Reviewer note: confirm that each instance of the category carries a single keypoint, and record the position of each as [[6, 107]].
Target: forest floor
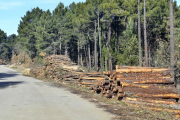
[[122, 110]]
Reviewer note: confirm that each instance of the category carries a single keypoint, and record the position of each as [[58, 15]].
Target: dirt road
[[25, 98]]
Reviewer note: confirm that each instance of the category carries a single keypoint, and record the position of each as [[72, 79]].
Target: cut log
[[150, 101], [107, 87], [163, 73], [109, 94], [93, 78], [86, 83], [96, 75], [149, 86], [140, 70], [155, 90], [165, 96], [137, 67], [120, 95], [160, 81], [91, 73], [120, 89], [90, 81], [109, 72], [142, 78]]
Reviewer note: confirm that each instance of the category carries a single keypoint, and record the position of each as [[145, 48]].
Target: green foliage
[[27, 29], [71, 30], [129, 46]]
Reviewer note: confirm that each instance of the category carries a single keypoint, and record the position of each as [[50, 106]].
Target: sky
[[11, 11]]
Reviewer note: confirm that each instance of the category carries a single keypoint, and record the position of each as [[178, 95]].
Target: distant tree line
[[99, 34]]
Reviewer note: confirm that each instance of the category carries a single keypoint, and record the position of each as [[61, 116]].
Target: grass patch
[[122, 103]]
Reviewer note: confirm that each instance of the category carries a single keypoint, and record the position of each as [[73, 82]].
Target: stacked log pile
[[58, 67], [143, 82], [146, 86], [91, 80]]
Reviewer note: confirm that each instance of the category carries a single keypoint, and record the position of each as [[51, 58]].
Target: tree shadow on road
[[7, 75], [7, 84]]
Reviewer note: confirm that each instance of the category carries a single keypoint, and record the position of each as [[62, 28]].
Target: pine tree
[[171, 37], [139, 34], [129, 46], [26, 31], [3, 45], [145, 36], [43, 35]]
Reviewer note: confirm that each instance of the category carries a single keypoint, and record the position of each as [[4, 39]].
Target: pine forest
[[100, 34]]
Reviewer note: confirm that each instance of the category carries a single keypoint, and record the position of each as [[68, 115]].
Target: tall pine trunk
[[108, 45], [89, 52], [81, 59], [171, 37], [105, 57], [13, 51], [60, 46], [54, 47], [117, 34], [149, 56], [100, 48], [106, 63], [95, 49], [78, 53], [139, 34], [66, 50], [145, 35], [86, 51]]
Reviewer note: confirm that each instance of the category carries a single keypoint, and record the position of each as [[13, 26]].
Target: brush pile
[[2, 62], [59, 68]]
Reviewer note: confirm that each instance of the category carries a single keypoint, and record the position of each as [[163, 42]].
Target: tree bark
[[139, 34], [117, 33], [145, 36], [95, 49], [81, 59], [85, 51], [149, 56], [106, 63], [66, 51], [171, 38], [60, 46], [13, 51], [89, 52], [78, 54], [54, 48], [108, 45], [100, 51]]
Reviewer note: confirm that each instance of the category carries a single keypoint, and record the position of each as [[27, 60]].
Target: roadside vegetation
[[99, 34]]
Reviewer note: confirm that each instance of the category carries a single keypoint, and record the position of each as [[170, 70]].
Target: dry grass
[[2, 62], [22, 59]]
